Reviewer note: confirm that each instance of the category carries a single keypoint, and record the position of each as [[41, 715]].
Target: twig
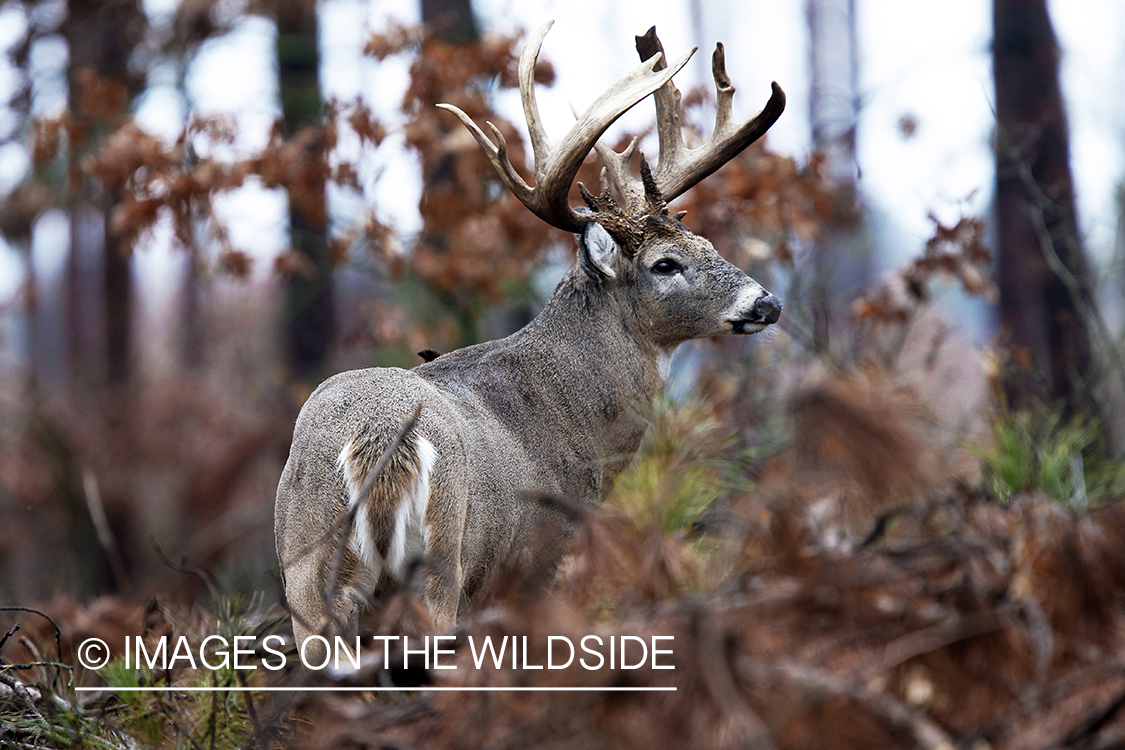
[[58, 635], [929, 639], [808, 340], [102, 529], [1078, 293], [34, 665], [1093, 722], [17, 745], [20, 691], [183, 567], [279, 710], [928, 733], [31, 649], [252, 711], [714, 668], [180, 730], [212, 720], [9, 634]]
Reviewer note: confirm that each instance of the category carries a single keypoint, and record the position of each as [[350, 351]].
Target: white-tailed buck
[[558, 407]]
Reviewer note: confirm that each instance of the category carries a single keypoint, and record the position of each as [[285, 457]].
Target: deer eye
[[666, 267]]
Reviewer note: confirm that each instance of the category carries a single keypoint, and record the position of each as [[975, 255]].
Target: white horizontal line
[[336, 689]]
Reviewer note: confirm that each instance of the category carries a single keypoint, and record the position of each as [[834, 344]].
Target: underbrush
[[47, 703], [848, 590]]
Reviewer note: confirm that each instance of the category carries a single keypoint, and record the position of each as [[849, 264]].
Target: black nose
[[768, 308]]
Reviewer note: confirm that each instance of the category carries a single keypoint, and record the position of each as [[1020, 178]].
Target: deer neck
[[603, 373]]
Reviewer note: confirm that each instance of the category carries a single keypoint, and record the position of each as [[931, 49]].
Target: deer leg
[[445, 520], [307, 590]]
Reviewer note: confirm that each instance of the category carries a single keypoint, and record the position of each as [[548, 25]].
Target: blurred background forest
[[209, 206]]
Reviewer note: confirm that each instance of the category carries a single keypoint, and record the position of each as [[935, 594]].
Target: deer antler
[[681, 167], [556, 166]]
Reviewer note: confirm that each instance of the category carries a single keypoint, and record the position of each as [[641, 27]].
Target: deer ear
[[597, 252]]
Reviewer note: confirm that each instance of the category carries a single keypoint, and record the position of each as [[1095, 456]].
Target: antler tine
[[615, 168], [556, 166], [497, 154], [669, 127], [680, 167], [728, 138], [629, 188], [540, 144], [616, 171]]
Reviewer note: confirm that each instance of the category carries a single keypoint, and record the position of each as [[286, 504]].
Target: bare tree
[[101, 37], [310, 324], [20, 207], [1046, 305], [839, 259], [834, 98]]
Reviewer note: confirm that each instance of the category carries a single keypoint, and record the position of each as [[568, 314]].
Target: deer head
[[678, 286]]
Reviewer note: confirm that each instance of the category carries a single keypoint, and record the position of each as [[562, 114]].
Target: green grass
[[1037, 450], [64, 718], [682, 468]]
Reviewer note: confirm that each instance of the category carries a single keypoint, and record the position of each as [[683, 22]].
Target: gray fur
[[558, 407]]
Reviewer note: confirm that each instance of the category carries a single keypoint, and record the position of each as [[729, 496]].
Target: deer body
[[558, 407]]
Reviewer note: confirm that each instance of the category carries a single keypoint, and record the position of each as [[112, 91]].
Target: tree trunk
[[840, 260], [834, 95], [1045, 294], [100, 37], [310, 325], [451, 20]]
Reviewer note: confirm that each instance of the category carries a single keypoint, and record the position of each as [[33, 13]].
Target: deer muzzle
[[753, 315], [767, 308]]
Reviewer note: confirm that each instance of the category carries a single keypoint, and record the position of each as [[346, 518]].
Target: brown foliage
[[954, 252], [832, 416], [475, 235], [939, 634], [946, 631], [20, 209], [174, 460], [862, 597], [151, 180]]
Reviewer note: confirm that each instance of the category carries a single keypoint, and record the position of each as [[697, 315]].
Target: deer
[[389, 466]]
